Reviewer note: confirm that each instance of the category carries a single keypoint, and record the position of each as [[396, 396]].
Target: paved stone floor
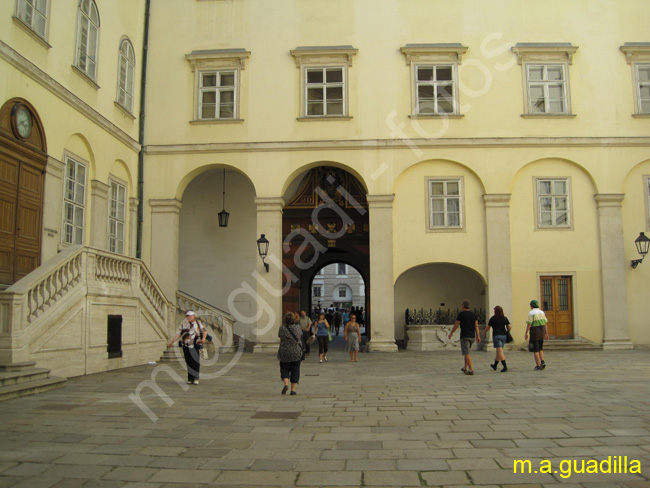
[[405, 419]]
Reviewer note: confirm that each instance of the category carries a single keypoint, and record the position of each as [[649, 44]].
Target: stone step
[[31, 387], [569, 345], [17, 377]]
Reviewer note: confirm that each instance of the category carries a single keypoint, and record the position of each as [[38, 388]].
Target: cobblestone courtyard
[[406, 419]]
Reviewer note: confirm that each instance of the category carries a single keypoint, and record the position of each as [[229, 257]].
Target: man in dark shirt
[[468, 323]]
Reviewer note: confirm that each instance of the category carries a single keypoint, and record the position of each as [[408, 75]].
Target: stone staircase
[[569, 345], [21, 379]]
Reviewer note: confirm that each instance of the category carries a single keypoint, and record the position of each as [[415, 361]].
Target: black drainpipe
[[143, 84]]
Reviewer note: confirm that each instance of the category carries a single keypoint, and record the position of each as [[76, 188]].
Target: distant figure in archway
[[322, 334]]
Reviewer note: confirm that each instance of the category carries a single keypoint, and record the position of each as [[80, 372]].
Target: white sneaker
[[189, 382], [196, 382]]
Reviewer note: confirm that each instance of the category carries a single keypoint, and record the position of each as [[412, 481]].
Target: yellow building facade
[[498, 152]]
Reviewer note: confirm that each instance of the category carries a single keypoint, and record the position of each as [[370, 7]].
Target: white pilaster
[[613, 266], [133, 227], [269, 284], [165, 231], [499, 258], [382, 289]]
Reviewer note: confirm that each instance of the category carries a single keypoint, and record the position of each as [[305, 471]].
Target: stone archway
[[23, 159], [326, 221]]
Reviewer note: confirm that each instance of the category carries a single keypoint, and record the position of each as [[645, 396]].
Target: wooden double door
[[557, 304], [21, 209]]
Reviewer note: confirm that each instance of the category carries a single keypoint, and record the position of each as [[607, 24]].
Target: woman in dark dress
[[500, 325]]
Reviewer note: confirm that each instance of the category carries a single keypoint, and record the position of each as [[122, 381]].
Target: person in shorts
[[468, 323], [500, 326], [536, 325]]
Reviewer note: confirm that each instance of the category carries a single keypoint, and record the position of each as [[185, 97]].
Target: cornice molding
[[544, 51], [496, 199], [609, 199], [270, 204], [28, 68], [433, 53], [636, 51], [165, 205], [318, 55], [218, 58], [386, 144]]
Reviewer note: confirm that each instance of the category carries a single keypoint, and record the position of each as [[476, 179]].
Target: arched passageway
[[324, 222]]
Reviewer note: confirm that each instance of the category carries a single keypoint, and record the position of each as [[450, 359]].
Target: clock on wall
[[21, 121]]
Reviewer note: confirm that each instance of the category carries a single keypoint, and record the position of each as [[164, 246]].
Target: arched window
[[126, 75], [87, 38]]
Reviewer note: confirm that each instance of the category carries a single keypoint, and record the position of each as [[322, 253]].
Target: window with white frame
[[343, 292], [434, 75], [87, 38], [545, 71], [317, 291], [324, 92], [116, 217], [547, 92], [218, 75], [342, 269], [435, 89], [553, 202], [126, 75], [217, 95], [324, 72], [637, 55], [643, 88], [445, 209], [74, 201], [33, 13]]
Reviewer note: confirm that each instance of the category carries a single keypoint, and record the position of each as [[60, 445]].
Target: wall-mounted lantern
[[263, 249], [642, 243]]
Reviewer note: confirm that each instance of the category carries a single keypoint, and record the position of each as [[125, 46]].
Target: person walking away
[[322, 326], [338, 318], [191, 332], [352, 336], [468, 323], [500, 327], [305, 325], [290, 352], [536, 325]]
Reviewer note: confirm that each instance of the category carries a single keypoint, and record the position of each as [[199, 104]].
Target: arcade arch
[[213, 261], [433, 286]]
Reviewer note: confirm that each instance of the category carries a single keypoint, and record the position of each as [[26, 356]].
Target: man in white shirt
[[191, 332]]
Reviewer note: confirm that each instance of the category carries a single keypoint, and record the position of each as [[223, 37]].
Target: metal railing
[[437, 317]]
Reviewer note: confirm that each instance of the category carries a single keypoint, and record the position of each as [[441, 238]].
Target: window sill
[[125, 111], [85, 77], [556, 227], [436, 116], [641, 116], [216, 121], [445, 229], [323, 118], [548, 116], [37, 37]]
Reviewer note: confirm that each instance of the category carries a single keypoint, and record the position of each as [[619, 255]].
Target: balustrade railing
[[75, 266]]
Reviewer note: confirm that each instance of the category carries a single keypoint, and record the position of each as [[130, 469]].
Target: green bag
[[329, 335]]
